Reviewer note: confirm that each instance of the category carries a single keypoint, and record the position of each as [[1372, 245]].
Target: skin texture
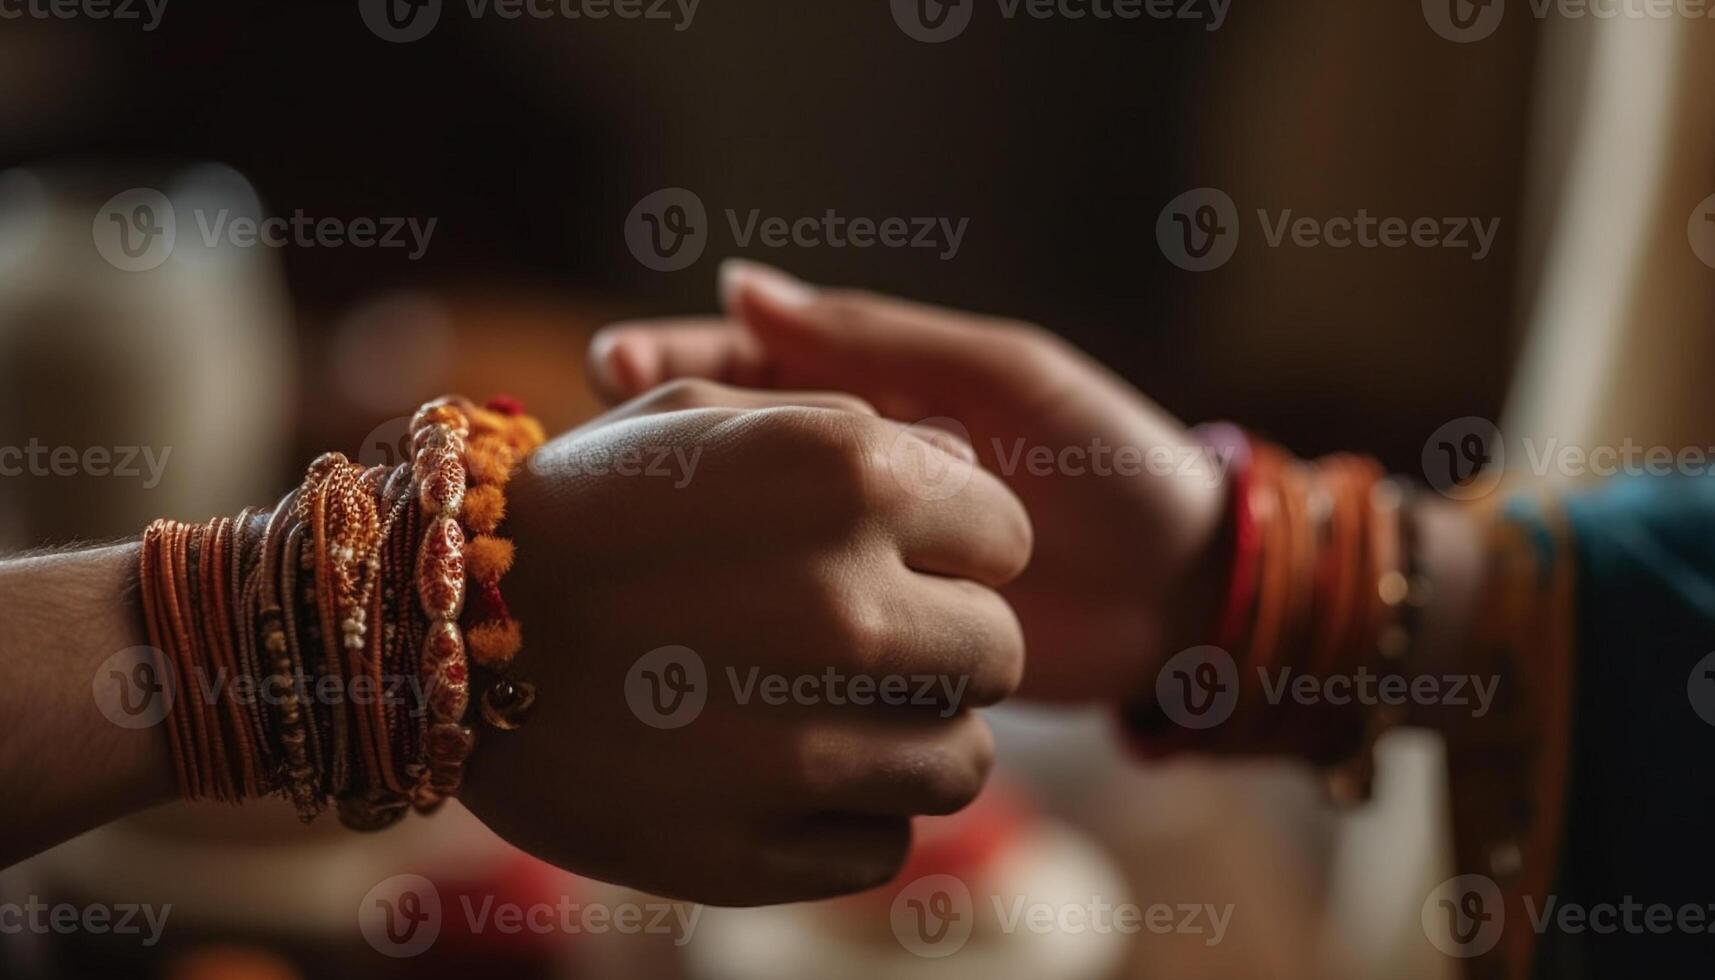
[[801, 541], [64, 768], [1125, 571], [792, 550]]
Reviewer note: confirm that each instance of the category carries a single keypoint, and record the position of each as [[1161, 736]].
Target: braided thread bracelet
[[1324, 583], [290, 634]]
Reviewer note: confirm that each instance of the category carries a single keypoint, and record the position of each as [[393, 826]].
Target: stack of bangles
[[329, 648], [1325, 583]]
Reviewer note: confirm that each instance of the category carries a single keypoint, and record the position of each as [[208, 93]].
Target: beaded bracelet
[[289, 631]]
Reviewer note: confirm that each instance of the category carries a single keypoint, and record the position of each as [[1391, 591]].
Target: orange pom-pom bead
[[484, 508], [490, 460], [494, 644], [487, 558]]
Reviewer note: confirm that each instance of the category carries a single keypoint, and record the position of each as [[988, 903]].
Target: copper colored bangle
[[178, 585], [158, 624]]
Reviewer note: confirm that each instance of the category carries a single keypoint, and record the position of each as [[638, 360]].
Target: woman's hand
[[1127, 507], [756, 650]]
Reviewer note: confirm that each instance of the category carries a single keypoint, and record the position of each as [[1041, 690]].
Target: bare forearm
[[65, 767]]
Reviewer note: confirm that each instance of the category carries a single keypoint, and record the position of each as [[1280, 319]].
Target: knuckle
[[850, 403], [996, 678], [946, 781], [863, 634], [686, 393], [851, 308], [841, 451]]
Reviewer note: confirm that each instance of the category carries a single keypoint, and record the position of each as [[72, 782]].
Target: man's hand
[[756, 648], [1127, 508]]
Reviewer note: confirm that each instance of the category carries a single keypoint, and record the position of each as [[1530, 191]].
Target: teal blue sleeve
[[1641, 804]]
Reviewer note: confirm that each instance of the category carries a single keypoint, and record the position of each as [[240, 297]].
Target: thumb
[[909, 358]]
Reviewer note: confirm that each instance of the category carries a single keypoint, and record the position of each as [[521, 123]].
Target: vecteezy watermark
[[1465, 21], [1200, 688], [1466, 458], [934, 21], [933, 459], [1700, 231], [1700, 688], [138, 687], [404, 21], [135, 688], [1466, 916], [138, 229], [34, 458], [669, 229], [1200, 229], [935, 915], [146, 12], [404, 915], [37, 917], [669, 686], [676, 464]]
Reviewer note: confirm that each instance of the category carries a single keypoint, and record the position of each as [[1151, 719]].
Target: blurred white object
[[188, 361]]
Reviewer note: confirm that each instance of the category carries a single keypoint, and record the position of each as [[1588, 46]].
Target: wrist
[[1451, 549]]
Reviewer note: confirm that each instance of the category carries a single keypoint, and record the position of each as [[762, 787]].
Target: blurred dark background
[[1060, 140]]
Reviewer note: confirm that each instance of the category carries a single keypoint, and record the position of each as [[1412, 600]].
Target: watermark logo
[[403, 21], [1700, 231], [37, 459], [1198, 688], [400, 21], [933, 916], [1464, 21], [667, 687], [136, 229], [668, 230], [148, 12], [388, 444], [933, 21], [1700, 688], [1199, 230], [1464, 916], [135, 687], [676, 464], [1464, 459], [36, 917], [931, 459], [401, 916]]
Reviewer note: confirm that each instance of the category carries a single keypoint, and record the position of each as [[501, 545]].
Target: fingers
[[912, 359], [627, 359], [833, 854], [960, 520], [967, 644], [896, 766], [692, 393], [877, 345]]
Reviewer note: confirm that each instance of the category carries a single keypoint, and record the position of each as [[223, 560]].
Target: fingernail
[[614, 362], [772, 286]]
